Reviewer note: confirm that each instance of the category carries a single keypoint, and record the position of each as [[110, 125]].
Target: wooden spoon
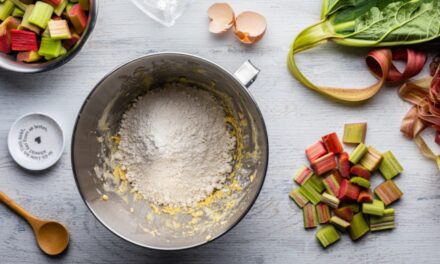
[[52, 237]]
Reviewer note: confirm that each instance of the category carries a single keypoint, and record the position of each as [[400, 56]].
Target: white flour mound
[[175, 145]]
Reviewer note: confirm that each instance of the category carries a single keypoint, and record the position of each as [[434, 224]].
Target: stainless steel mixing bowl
[[101, 114], [8, 62]]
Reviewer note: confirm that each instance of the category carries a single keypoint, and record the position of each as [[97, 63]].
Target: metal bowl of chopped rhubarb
[[170, 150], [38, 36]]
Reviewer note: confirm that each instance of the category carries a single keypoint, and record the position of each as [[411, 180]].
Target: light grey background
[[272, 232]]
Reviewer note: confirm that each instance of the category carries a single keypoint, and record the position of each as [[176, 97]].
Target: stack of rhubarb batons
[[336, 191]]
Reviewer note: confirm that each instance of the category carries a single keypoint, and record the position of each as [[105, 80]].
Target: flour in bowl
[[175, 145]]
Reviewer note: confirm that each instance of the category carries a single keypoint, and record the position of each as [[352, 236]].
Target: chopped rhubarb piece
[[323, 212], [365, 197], [50, 48], [354, 133], [390, 166], [360, 182], [54, 3], [309, 192], [378, 223], [339, 223], [28, 56], [345, 213], [437, 137], [375, 208], [360, 171], [11, 23], [21, 3], [348, 191], [61, 7], [310, 216], [6, 9], [324, 164], [316, 182], [25, 24], [5, 40], [344, 165], [59, 29], [315, 151], [388, 192], [298, 198], [302, 174], [332, 143], [41, 14], [358, 226], [330, 200], [23, 40], [331, 185], [358, 153], [327, 236], [69, 43], [5, 34], [78, 18], [372, 159], [337, 175]]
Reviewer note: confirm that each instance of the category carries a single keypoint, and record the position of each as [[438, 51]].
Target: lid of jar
[[36, 141]]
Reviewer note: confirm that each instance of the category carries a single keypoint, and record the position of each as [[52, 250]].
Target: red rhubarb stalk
[[302, 175], [54, 3], [315, 151], [344, 165], [78, 18], [324, 164], [365, 197], [337, 176], [345, 213], [332, 143], [5, 40], [360, 171], [5, 35], [348, 191], [23, 40]]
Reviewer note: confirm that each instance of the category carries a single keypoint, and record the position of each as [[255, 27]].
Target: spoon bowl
[[52, 238]]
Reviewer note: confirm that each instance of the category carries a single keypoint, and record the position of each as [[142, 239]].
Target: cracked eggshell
[[250, 27], [221, 17]]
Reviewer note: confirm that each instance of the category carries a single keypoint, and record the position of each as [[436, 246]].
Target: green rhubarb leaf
[[366, 23], [399, 21]]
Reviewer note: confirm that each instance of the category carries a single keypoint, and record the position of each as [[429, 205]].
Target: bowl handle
[[247, 73]]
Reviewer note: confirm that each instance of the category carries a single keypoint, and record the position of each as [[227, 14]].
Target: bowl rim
[[51, 65], [265, 158]]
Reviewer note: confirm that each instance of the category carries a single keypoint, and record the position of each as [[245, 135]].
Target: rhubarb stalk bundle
[[370, 23], [424, 95]]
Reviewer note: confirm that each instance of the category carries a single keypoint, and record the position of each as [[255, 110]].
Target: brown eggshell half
[[250, 27], [222, 18]]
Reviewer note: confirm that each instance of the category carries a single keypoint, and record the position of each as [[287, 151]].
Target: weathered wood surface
[[272, 232]]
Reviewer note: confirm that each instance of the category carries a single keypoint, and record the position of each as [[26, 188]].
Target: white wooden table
[[272, 232]]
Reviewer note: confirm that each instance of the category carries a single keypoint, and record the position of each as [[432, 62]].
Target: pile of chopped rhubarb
[[335, 190], [34, 31]]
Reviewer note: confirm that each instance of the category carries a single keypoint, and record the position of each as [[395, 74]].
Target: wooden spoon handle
[[18, 209]]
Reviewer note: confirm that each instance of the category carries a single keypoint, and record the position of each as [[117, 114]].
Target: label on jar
[[32, 142]]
